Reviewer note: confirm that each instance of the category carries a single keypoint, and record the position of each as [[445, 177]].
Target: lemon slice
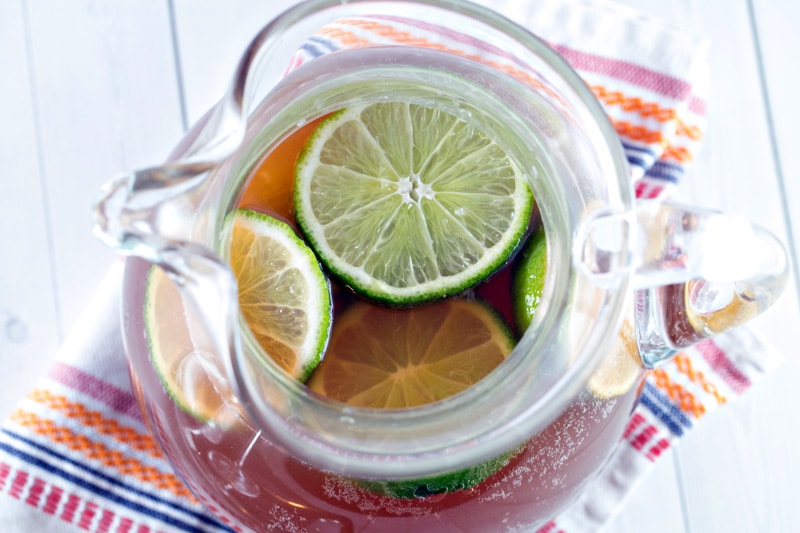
[[283, 294], [620, 369], [185, 361], [408, 203]]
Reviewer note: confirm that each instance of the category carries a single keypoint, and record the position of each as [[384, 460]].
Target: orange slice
[[392, 358]]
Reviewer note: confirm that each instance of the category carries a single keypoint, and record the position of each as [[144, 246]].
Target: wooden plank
[[751, 445], [113, 105], [775, 24], [778, 44], [736, 464], [29, 329], [208, 65]]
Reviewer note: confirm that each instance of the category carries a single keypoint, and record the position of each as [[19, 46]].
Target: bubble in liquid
[[283, 519]]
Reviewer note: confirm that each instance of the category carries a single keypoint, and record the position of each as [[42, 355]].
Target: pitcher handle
[[695, 272]]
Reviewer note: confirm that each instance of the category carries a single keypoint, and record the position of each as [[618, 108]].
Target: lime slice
[[408, 203], [528, 279], [397, 358], [183, 358], [283, 294], [620, 369], [441, 484]]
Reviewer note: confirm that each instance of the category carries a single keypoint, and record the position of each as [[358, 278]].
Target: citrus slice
[[528, 280], [391, 358], [184, 359], [620, 369], [283, 294], [408, 203], [441, 484]]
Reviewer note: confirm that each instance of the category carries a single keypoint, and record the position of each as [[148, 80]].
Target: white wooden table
[[89, 88]]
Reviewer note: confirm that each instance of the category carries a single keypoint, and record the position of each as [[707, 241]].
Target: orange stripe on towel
[[633, 132], [678, 394], [345, 38], [633, 104], [648, 136], [349, 39], [95, 420], [100, 453], [390, 32], [677, 153], [684, 365], [693, 132], [638, 133]]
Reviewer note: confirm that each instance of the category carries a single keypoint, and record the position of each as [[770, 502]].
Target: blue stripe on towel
[[665, 171], [666, 411], [645, 158], [317, 46], [100, 491]]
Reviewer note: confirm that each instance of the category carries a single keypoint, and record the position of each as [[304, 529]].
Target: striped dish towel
[[76, 455]]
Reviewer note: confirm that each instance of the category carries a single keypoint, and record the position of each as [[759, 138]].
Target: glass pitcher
[[628, 284]]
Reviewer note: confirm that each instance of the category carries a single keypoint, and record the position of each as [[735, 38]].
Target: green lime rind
[[528, 277], [407, 203], [303, 259], [500, 322], [450, 482], [153, 350], [216, 407]]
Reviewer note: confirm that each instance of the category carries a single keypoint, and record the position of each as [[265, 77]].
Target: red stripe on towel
[[35, 492], [628, 72], [5, 468], [18, 484], [119, 400], [723, 366], [53, 500]]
